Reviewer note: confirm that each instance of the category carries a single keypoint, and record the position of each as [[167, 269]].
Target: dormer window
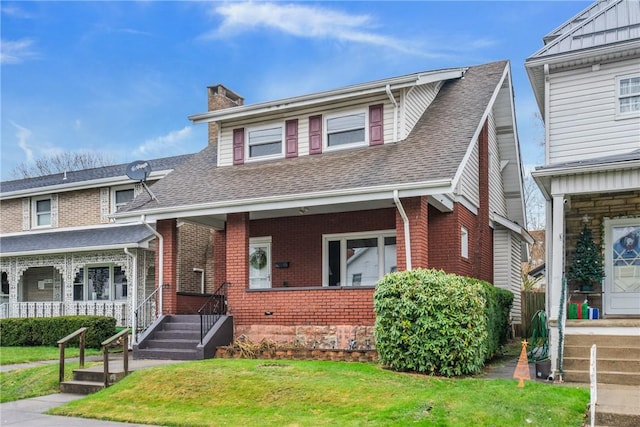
[[265, 142], [628, 95], [42, 211], [346, 130]]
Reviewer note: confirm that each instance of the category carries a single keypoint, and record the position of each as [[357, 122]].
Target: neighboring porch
[[106, 283]]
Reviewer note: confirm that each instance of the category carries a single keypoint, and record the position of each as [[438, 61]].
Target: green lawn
[[222, 392], [12, 355]]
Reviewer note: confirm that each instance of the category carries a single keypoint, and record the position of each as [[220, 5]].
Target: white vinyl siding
[[497, 202], [413, 103], [469, 184], [416, 102], [582, 114], [507, 266]]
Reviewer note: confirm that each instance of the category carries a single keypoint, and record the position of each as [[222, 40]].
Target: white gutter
[[134, 296], [160, 267], [407, 234], [395, 113], [424, 188]]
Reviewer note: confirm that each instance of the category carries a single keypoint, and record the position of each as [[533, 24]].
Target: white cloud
[[302, 21], [14, 11], [23, 135], [16, 51], [164, 143]]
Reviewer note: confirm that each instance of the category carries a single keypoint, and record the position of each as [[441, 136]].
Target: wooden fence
[[531, 303]]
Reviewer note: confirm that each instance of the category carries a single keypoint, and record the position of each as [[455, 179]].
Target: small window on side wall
[[120, 196], [464, 242], [628, 101]]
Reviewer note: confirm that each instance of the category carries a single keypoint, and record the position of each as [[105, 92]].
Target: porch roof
[[76, 240], [426, 163]]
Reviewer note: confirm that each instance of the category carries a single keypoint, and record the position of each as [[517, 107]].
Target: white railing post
[[594, 385]]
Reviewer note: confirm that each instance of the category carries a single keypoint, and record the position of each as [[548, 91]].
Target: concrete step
[[612, 377], [587, 340], [603, 352], [94, 375], [605, 365], [165, 354], [618, 406], [81, 387], [175, 343], [177, 335], [181, 326]]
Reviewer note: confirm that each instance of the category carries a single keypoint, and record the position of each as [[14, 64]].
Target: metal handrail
[[213, 309], [122, 338], [62, 343], [145, 314]]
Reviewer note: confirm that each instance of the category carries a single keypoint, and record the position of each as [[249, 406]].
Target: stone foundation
[[321, 337], [298, 354]]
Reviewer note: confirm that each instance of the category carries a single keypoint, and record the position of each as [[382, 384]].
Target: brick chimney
[[220, 97]]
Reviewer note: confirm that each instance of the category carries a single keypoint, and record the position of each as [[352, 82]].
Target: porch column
[[169, 231], [237, 253], [417, 210], [555, 273], [219, 257]]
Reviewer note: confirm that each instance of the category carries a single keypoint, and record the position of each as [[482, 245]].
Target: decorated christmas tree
[[586, 267]]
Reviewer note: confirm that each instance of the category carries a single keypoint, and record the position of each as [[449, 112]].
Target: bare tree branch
[[58, 163]]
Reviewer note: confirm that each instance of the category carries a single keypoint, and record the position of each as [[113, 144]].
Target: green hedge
[[437, 323], [48, 331]]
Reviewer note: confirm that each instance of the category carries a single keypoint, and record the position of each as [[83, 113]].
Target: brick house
[[62, 254], [314, 198]]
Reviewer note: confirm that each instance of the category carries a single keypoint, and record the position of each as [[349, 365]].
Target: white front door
[[260, 263], [622, 264]]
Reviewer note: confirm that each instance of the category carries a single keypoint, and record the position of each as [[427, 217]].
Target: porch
[[120, 310]]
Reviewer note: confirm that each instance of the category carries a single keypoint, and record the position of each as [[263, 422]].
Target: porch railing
[[116, 309], [119, 339], [213, 309], [145, 314]]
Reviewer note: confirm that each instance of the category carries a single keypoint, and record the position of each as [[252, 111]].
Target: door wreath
[[258, 259]]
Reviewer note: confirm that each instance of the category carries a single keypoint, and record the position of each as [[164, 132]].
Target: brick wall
[[195, 250], [167, 228], [79, 208], [11, 216], [417, 211], [30, 279], [298, 240]]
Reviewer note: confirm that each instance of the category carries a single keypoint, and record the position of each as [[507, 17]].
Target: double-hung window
[[265, 142], [120, 196], [628, 88], [358, 259], [42, 211], [346, 129]]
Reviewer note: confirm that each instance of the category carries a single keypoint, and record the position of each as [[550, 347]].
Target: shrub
[[497, 309], [48, 331], [431, 322]]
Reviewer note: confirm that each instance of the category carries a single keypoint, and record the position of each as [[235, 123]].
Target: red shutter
[[315, 134], [291, 138], [376, 134], [238, 146]]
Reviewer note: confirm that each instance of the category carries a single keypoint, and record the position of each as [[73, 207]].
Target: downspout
[[160, 261], [395, 113], [134, 297], [407, 234]]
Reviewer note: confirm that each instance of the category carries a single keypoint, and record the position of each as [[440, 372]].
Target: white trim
[[264, 241], [330, 197], [608, 297], [35, 214], [343, 113], [112, 195], [632, 114], [380, 235], [464, 242], [247, 142]]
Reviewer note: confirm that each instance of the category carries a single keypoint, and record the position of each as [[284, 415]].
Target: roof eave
[[327, 96]]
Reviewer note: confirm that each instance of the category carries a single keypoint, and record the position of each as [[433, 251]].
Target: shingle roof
[[615, 158], [75, 240], [433, 151], [84, 175]]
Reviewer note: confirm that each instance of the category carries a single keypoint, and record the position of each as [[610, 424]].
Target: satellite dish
[[139, 170]]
